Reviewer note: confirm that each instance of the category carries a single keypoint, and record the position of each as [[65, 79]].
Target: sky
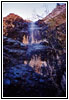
[[30, 11]]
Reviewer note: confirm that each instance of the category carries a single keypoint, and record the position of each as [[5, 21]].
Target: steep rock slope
[[53, 26], [15, 27], [57, 16]]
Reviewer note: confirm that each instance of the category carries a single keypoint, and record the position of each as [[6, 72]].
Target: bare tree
[[37, 16], [46, 11]]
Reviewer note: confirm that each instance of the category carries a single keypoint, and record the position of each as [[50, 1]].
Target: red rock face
[[8, 22], [15, 27], [13, 17], [56, 22], [56, 17]]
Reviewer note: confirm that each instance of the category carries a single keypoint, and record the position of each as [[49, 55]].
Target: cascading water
[[34, 39], [34, 30], [34, 34]]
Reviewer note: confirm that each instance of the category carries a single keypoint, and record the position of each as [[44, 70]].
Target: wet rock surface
[[21, 80], [14, 52]]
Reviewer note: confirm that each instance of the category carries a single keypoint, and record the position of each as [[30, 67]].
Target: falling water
[[34, 34], [33, 28], [35, 62]]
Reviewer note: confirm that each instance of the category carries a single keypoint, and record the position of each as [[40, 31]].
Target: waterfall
[[34, 34], [34, 29]]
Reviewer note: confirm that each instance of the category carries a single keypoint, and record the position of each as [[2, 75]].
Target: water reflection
[[25, 39], [36, 63]]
